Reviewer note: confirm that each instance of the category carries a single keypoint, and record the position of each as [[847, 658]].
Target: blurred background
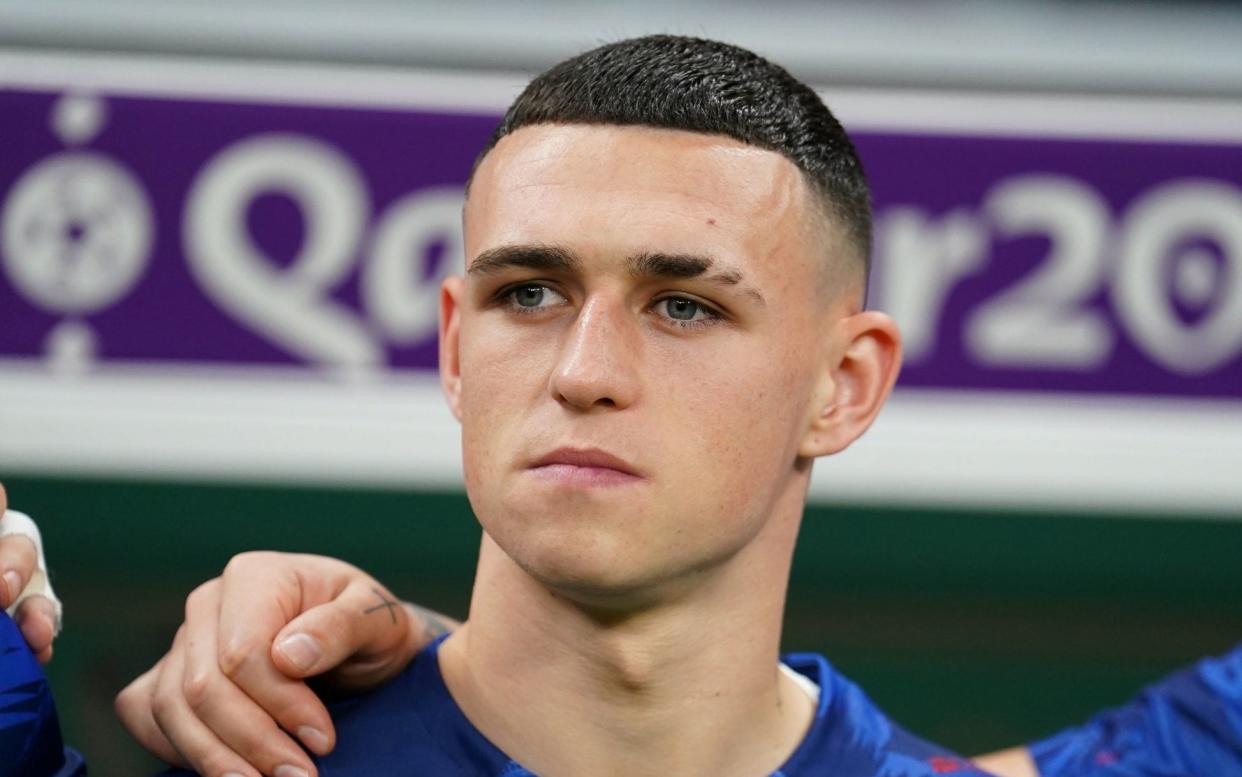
[[222, 225]]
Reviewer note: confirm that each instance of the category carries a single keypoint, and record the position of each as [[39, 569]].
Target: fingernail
[[13, 582], [289, 770], [314, 738], [301, 650], [234, 774]]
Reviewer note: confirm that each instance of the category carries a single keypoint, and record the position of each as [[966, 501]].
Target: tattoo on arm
[[385, 604], [433, 623]]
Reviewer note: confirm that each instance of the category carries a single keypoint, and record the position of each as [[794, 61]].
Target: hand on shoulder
[[230, 695]]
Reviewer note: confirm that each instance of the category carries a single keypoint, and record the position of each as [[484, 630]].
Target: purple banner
[[1068, 265], [192, 230], [196, 231]]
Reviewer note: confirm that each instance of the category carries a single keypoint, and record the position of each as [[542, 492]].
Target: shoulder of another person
[[1189, 722]]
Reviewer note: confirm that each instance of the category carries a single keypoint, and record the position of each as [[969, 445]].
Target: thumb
[[362, 637]]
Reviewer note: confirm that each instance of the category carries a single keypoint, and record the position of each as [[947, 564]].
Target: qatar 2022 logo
[[77, 230]]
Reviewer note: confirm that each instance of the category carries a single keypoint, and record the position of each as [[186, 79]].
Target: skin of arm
[[1014, 762]]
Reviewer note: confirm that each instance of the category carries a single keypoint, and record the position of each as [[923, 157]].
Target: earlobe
[[451, 294], [857, 381]]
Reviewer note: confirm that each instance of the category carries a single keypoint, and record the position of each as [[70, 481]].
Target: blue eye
[[686, 312], [681, 309], [528, 296], [531, 297]]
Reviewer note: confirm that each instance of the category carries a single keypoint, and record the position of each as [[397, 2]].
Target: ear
[[452, 293], [858, 377]]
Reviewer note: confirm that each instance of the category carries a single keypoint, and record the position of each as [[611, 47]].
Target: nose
[[598, 360]]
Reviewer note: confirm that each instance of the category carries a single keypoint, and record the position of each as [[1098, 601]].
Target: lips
[[585, 467]]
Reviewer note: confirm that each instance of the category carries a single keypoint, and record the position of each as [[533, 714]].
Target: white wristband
[[13, 522]]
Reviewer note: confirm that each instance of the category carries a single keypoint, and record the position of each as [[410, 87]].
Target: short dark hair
[[683, 83]]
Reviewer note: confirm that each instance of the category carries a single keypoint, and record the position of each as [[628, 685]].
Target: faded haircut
[[697, 85]]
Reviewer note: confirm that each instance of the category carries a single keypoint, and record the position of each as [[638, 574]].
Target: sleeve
[[30, 742], [1189, 723]]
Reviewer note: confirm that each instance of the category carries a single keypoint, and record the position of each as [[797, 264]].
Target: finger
[[36, 617], [4, 499], [133, 707], [260, 593], [18, 558], [364, 630], [240, 724], [193, 741]]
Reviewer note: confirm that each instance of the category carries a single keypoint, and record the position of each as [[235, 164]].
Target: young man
[[661, 326]]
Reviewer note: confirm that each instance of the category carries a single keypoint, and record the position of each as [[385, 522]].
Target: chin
[[601, 553], [608, 598], [592, 567]]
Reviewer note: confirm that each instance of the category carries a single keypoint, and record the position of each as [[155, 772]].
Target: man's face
[[635, 350]]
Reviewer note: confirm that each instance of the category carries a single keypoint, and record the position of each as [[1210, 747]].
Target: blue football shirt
[[30, 743], [411, 726], [1189, 723]]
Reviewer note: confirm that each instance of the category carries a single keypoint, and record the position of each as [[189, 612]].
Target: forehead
[[610, 190]]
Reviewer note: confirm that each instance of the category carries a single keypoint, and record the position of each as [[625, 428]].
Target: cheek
[[738, 418], [499, 380], [507, 410]]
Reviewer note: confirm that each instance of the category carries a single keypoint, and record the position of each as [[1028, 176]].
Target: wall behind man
[[1045, 517]]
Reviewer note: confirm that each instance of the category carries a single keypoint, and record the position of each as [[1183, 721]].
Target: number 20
[[1044, 321]]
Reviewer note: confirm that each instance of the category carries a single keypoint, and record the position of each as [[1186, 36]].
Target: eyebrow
[[658, 265], [534, 257], [550, 258], [679, 266]]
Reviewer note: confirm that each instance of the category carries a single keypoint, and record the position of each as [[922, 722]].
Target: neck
[[688, 685]]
